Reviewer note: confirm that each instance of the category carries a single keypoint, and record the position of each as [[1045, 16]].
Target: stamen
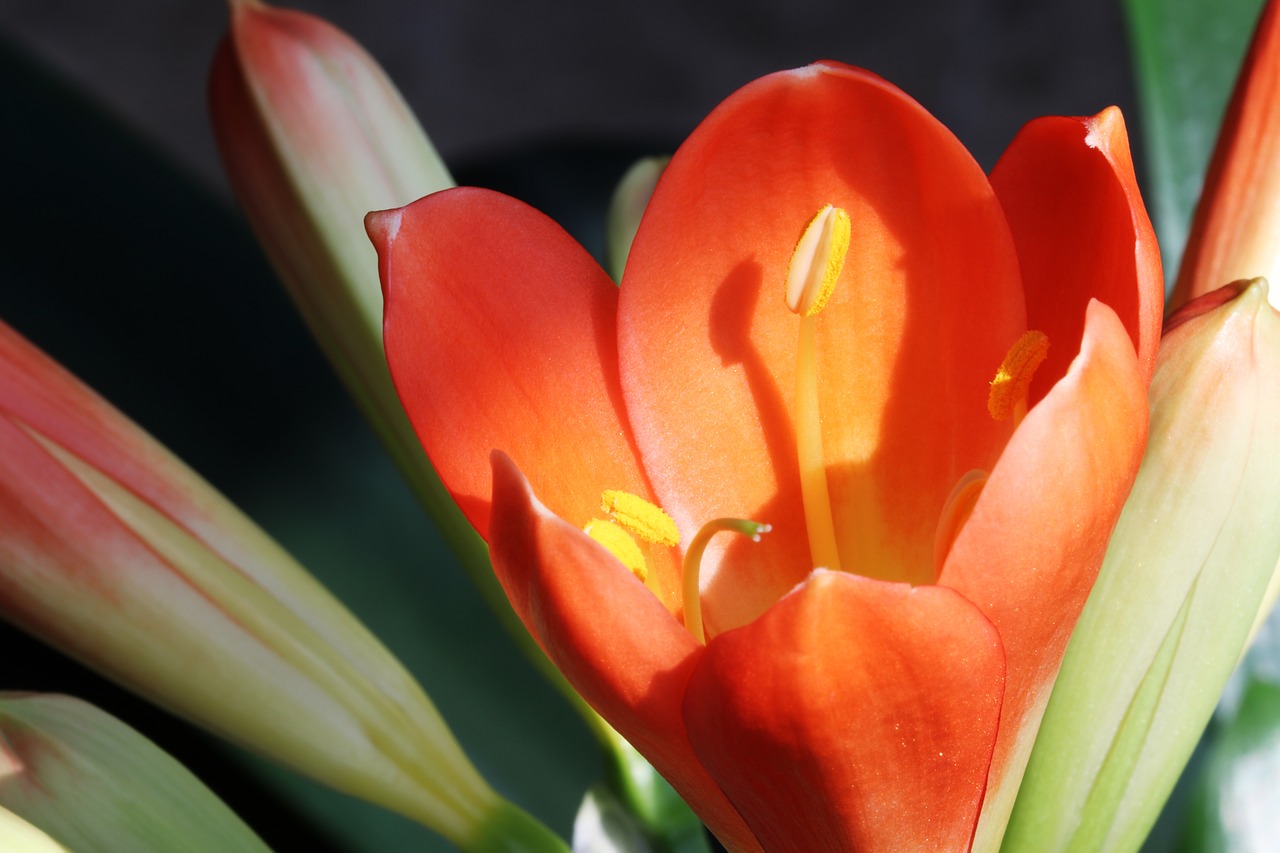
[[620, 544], [955, 512], [693, 565], [642, 518], [1008, 396], [817, 261], [811, 278], [809, 453]]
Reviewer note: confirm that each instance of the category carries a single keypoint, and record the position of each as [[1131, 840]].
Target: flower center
[[631, 517], [815, 267]]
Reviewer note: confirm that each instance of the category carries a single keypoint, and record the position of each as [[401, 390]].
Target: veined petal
[[610, 637], [1030, 551], [500, 333], [854, 715], [1068, 189], [905, 350]]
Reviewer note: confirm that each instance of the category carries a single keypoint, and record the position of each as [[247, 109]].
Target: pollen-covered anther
[[620, 544], [817, 261], [1009, 388], [642, 518]]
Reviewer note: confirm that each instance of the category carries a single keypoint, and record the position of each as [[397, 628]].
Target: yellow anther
[[620, 544], [639, 516], [817, 261], [1009, 388]]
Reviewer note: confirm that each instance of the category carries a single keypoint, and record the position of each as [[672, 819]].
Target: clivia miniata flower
[[930, 385]]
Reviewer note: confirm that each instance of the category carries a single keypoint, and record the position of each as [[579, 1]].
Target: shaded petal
[[500, 333], [927, 306], [614, 642], [1031, 550], [1068, 189], [854, 715]]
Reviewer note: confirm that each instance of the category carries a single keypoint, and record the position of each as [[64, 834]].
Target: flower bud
[[114, 551], [1185, 573]]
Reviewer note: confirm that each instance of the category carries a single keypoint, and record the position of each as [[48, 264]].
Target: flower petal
[[1030, 551], [1068, 189], [614, 642], [854, 715], [500, 333], [905, 350]]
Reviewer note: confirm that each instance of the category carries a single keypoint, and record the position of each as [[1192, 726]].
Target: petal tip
[[382, 226]]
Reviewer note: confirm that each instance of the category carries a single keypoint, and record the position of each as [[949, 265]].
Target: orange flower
[[875, 667]]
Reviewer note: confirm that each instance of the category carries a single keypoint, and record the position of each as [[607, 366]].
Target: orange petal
[[500, 333], [1234, 233], [925, 309], [614, 642], [1068, 188], [854, 715], [1030, 551]]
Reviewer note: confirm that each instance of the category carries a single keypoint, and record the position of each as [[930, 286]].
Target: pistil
[[811, 278]]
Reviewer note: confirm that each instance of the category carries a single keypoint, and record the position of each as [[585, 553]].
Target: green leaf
[[1186, 54], [94, 784]]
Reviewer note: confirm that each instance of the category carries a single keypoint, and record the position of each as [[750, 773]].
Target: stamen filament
[[690, 588], [955, 512], [813, 470]]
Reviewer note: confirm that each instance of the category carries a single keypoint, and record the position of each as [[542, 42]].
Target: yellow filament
[[955, 512], [642, 518], [817, 260], [693, 565], [1008, 396], [620, 544], [813, 469], [815, 266]]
